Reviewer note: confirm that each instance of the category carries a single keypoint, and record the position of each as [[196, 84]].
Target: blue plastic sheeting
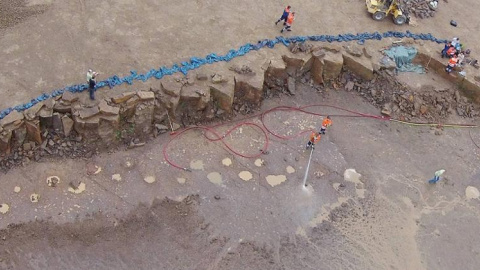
[[403, 57], [196, 62]]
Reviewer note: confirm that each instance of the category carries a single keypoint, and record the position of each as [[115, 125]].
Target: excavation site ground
[[187, 182]]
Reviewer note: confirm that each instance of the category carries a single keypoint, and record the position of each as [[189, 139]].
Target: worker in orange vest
[[314, 138], [451, 51], [285, 14], [290, 20], [326, 123], [451, 63]]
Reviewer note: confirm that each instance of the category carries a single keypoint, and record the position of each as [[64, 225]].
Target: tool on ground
[[170, 121], [308, 168], [381, 8]]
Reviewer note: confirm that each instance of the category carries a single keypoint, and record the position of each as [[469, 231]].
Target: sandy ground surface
[[48, 44], [387, 217]]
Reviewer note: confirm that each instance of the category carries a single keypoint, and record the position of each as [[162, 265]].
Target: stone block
[[70, 97], [106, 109], [143, 118], [249, 89], [353, 50], [223, 95], [291, 85], [62, 107], [334, 48], [12, 118], [49, 103], [146, 95], [218, 78], [86, 113], [298, 64], [333, 63], [92, 124], [33, 131], [20, 134], [317, 69], [275, 73], [360, 66], [194, 97], [57, 123], [107, 129], [124, 97], [67, 124], [171, 87], [128, 110], [5, 142], [31, 113]]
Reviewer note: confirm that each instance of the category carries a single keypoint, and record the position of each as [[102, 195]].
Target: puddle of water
[[290, 169], [259, 162], [325, 213], [196, 165], [52, 181], [227, 162], [274, 180], [149, 179], [215, 178], [17, 189], [351, 175], [81, 188], [181, 180], [360, 193], [245, 175], [4, 208], [34, 197], [472, 193], [117, 177]]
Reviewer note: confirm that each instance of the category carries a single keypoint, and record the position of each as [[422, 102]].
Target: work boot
[[277, 22], [289, 29], [281, 31]]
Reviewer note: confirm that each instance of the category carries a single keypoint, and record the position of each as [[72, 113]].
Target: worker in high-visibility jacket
[[451, 64], [285, 14], [326, 123], [289, 23], [314, 138]]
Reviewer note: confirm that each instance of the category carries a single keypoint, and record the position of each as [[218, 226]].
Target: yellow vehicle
[[381, 8]]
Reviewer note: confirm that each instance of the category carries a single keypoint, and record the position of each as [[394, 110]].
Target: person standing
[[326, 123], [285, 14], [461, 57], [92, 82], [314, 138], [289, 23], [436, 178]]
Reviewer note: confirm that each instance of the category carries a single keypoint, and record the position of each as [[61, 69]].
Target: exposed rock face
[[360, 66], [333, 63], [195, 98]]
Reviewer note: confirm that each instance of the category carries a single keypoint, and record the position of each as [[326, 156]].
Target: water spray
[[308, 168]]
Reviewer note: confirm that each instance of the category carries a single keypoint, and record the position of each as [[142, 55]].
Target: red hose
[[264, 129]]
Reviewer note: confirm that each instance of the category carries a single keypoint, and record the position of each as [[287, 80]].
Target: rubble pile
[[399, 101], [420, 8]]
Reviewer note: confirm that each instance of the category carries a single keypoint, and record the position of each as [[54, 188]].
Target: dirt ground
[[218, 216], [388, 218], [52, 43]]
